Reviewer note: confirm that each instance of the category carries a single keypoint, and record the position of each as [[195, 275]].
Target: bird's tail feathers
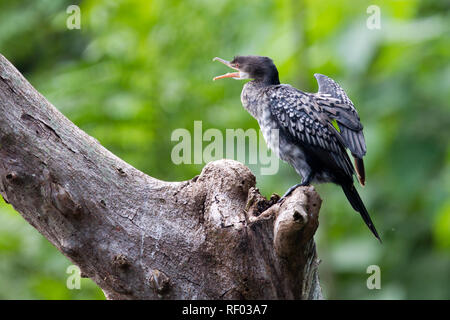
[[360, 172], [355, 200]]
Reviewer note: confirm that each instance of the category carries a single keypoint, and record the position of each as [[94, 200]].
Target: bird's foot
[[291, 189]]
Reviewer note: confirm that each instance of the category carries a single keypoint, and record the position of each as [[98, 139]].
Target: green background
[[137, 70]]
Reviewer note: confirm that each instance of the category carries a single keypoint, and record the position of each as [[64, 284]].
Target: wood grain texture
[[141, 238]]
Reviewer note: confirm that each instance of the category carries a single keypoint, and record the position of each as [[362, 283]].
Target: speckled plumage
[[304, 127], [306, 138]]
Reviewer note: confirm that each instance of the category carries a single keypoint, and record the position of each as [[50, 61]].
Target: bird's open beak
[[235, 75]]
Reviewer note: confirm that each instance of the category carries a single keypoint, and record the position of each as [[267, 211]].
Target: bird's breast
[[270, 131]]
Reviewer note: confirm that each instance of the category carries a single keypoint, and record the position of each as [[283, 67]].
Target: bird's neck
[[252, 96], [270, 78]]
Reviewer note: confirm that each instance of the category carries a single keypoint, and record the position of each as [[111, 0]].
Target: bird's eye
[[237, 65]]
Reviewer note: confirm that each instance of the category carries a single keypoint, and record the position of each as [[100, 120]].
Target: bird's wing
[[299, 114], [335, 102]]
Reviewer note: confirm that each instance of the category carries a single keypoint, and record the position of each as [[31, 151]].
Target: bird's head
[[251, 67]]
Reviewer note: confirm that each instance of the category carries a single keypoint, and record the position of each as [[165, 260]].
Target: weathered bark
[[141, 238]]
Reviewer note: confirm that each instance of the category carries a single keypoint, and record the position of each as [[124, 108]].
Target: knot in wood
[[160, 282], [121, 261], [63, 201], [121, 172], [12, 176]]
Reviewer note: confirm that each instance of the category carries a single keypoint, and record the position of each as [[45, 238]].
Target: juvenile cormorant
[[305, 137]]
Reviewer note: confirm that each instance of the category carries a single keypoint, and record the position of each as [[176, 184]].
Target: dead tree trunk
[[141, 238]]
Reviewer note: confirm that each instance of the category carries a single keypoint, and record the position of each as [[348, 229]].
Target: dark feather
[[359, 167], [357, 204], [335, 102], [314, 131]]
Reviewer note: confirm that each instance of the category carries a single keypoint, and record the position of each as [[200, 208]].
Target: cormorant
[[306, 137]]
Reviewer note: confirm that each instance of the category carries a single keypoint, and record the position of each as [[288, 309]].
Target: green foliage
[[137, 70]]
